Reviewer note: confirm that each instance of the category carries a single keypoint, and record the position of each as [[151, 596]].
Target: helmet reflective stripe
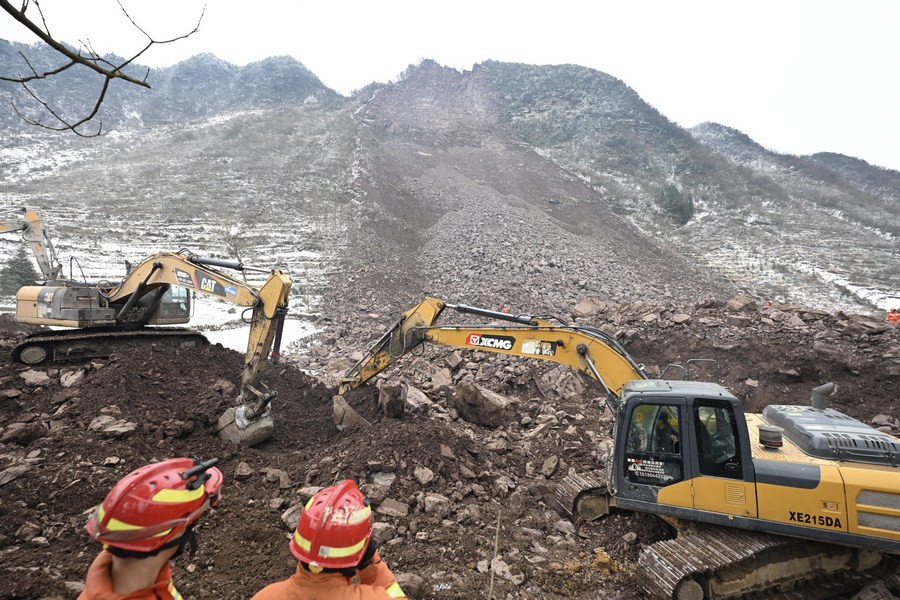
[[302, 541], [342, 552], [117, 525], [169, 495], [327, 551], [359, 516], [394, 591]]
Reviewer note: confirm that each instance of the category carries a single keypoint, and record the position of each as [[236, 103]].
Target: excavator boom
[[585, 349], [29, 224]]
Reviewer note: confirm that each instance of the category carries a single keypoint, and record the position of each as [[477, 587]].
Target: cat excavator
[[99, 318], [799, 500]]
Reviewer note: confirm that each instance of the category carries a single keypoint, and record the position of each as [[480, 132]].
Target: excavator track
[[717, 562], [72, 346]]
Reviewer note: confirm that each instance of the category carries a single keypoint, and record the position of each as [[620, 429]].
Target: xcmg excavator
[[102, 317], [760, 502]]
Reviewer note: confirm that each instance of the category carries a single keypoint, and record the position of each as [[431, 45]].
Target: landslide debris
[[441, 484]]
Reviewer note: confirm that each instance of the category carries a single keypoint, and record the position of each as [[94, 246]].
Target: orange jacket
[[893, 317], [98, 585], [376, 582]]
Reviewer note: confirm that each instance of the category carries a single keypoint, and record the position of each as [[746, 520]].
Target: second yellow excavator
[[95, 319], [760, 501]]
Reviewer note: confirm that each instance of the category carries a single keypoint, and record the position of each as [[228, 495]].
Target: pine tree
[[679, 206], [18, 271]]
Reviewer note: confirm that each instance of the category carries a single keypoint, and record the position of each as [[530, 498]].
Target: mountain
[[579, 170], [199, 87]]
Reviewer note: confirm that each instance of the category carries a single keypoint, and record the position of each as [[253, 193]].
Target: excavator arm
[[250, 422], [585, 349], [32, 230]]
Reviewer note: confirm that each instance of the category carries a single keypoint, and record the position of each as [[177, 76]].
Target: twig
[[53, 495], [496, 550]]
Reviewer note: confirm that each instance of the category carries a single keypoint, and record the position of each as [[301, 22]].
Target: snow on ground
[[221, 323]]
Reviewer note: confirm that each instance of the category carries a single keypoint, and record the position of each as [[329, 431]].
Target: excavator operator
[[146, 520], [337, 556], [666, 436]]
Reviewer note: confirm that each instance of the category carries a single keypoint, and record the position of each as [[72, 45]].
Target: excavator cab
[[175, 307], [679, 437]]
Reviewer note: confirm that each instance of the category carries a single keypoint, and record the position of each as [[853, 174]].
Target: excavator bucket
[[236, 429]]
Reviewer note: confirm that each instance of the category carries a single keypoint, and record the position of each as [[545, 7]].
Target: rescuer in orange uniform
[[893, 317], [338, 560], [145, 520]]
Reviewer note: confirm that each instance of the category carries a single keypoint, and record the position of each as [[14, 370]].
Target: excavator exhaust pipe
[[820, 395]]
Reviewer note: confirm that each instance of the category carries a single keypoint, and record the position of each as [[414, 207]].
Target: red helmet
[[153, 505], [334, 528]]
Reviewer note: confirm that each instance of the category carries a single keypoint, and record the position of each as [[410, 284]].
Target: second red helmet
[[334, 528]]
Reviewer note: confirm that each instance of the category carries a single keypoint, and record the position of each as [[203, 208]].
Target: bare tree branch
[[86, 57]]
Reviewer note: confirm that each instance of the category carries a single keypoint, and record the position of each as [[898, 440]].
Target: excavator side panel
[[808, 495], [726, 496], [873, 500]]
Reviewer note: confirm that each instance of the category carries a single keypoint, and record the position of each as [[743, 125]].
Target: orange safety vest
[[99, 586], [376, 582], [893, 317]]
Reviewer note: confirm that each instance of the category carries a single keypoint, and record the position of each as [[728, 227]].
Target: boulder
[[35, 378], [109, 426], [393, 508], [291, 516], [243, 471], [414, 399], [588, 308], [482, 406], [12, 473], [863, 325], [741, 304], [72, 378], [437, 504], [423, 475], [738, 321], [22, 434]]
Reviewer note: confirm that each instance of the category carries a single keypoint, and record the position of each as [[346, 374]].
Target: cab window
[[717, 441], [653, 448]]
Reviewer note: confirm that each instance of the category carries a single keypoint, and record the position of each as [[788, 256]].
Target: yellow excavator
[[102, 317], [796, 498]]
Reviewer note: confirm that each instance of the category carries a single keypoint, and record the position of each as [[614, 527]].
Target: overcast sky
[[797, 76]]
